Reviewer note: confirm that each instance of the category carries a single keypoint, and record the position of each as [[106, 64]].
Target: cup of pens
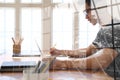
[[17, 46]]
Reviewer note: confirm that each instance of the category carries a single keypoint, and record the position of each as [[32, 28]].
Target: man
[[99, 55]]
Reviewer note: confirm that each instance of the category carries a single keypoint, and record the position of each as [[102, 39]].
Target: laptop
[[44, 65], [16, 66]]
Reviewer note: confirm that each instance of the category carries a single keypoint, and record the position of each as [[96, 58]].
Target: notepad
[[25, 55], [16, 66]]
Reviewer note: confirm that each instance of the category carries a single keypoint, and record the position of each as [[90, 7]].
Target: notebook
[[16, 66]]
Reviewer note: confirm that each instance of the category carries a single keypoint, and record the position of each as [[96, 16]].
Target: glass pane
[[116, 14], [62, 28], [31, 29], [106, 11], [116, 10], [26, 1], [57, 1], [99, 3], [36, 1], [7, 1], [31, 1], [62, 1], [1, 1], [7, 26]]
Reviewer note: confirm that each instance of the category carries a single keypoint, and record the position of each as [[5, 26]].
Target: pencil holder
[[16, 49]]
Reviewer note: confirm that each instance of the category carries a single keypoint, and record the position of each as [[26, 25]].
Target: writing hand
[[59, 64], [54, 51]]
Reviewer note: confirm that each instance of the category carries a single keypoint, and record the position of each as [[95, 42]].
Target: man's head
[[89, 16], [101, 11]]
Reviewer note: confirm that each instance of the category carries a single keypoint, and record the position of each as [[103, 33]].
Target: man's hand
[[58, 64], [54, 51]]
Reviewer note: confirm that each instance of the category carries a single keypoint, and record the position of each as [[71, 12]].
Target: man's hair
[[88, 2]]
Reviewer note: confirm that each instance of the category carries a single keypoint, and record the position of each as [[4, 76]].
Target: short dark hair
[[88, 2]]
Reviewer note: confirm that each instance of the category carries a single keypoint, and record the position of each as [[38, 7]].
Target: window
[[7, 25], [31, 28], [21, 20], [7, 1], [62, 1], [31, 1], [24, 18], [63, 23], [62, 28]]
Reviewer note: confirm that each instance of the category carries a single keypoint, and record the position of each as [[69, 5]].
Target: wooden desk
[[57, 75], [79, 75], [67, 75]]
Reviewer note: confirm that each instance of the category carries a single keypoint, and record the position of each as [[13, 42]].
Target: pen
[[20, 41], [54, 46], [42, 67], [13, 40], [37, 66], [46, 65]]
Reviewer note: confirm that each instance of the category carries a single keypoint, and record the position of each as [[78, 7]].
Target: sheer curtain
[[62, 28]]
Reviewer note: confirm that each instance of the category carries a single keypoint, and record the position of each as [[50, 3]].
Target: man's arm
[[74, 53], [99, 60]]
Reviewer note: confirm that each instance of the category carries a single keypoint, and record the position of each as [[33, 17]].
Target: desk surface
[[66, 75], [56, 75]]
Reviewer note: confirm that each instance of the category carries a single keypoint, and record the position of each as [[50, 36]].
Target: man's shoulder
[[110, 28]]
